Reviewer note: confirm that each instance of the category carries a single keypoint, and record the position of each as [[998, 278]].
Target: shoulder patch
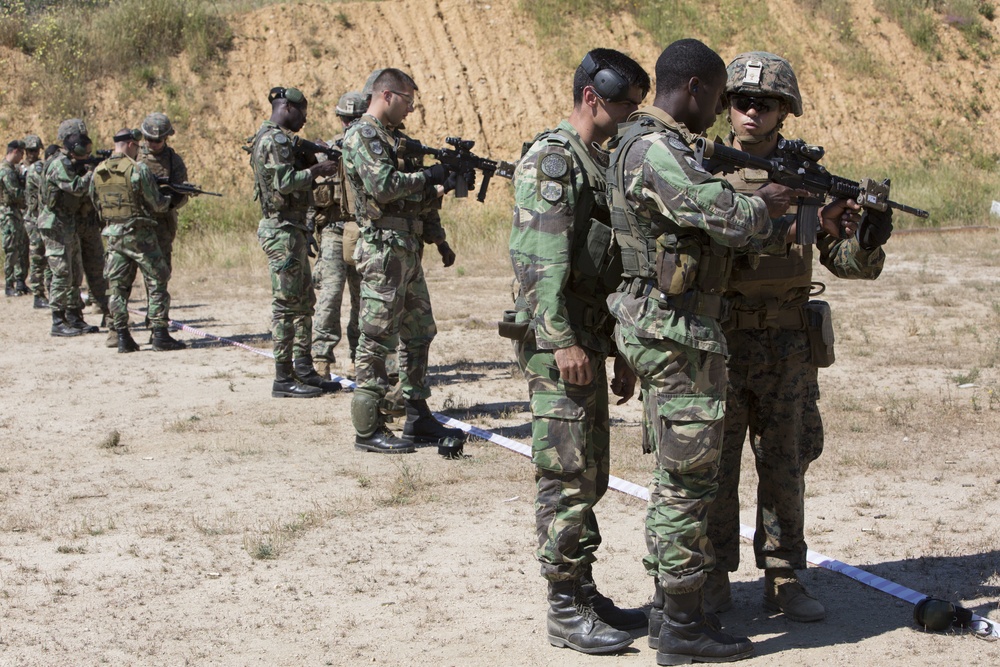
[[376, 147], [677, 144], [367, 131], [551, 191], [695, 164], [280, 138], [554, 165]]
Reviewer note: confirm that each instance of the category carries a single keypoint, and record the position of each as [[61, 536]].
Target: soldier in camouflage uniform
[[559, 246], [283, 181], [332, 272], [126, 195], [165, 163], [397, 212], [39, 274], [677, 227], [773, 385], [63, 191], [15, 239]]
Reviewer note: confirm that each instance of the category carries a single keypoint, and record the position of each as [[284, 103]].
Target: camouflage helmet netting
[[156, 126], [777, 79], [70, 126], [351, 105]]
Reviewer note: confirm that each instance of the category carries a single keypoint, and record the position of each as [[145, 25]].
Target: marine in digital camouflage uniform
[[63, 193], [773, 386], [126, 195], [397, 214], [332, 272], [15, 239], [283, 180], [677, 227], [559, 247], [165, 163], [39, 274]]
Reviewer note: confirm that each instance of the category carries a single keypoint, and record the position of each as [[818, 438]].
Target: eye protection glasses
[[744, 103]]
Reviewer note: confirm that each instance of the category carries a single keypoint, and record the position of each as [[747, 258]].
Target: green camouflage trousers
[[292, 296], [683, 392], [166, 232], [15, 245], [330, 276], [395, 305], [570, 449], [137, 249], [92, 257], [777, 403], [62, 251], [39, 273]]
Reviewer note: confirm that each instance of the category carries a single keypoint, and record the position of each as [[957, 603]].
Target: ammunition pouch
[[509, 327], [819, 326], [351, 235], [714, 306]]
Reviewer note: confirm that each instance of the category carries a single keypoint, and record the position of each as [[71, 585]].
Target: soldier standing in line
[[39, 274], [559, 249], [332, 211], [168, 166], [63, 191], [677, 227], [126, 195], [773, 380], [283, 184], [397, 213], [15, 239]]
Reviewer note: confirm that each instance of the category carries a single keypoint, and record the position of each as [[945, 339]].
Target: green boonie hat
[[70, 126], [351, 105], [156, 126], [764, 74], [33, 142], [366, 92]]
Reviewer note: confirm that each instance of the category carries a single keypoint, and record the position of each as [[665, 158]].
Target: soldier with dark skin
[[561, 229], [15, 238], [283, 187], [397, 213], [39, 274], [773, 380], [165, 163]]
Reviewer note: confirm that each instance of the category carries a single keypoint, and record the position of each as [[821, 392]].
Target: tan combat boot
[[785, 593]]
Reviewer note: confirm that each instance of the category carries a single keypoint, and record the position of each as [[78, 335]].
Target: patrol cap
[[366, 92], [156, 126], [15, 144], [33, 142], [351, 105], [70, 126], [763, 74], [293, 95]]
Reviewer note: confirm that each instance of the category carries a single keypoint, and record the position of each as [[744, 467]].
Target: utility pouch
[[351, 235], [677, 267], [819, 326], [508, 327]]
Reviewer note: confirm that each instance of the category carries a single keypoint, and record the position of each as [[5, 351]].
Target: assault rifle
[[795, 165], [461, 160], [94, 160], [306, 148], [183, 188]]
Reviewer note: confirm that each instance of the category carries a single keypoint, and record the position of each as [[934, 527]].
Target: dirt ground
[[224, 527]]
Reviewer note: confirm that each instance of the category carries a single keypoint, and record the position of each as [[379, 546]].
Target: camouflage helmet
[[764, 75], [33, 142], [366, 92], [351, 105], [70, 126], [156, 126]]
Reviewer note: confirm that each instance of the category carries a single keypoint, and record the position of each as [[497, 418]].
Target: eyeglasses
[[408, 98], [762, 104]]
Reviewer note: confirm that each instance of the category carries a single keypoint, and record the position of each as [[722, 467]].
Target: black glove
[[436, 174], [447, 254], [875, 229]]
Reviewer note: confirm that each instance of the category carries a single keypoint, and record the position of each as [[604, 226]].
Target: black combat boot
[[371, 433], [656, 617], [41, 302], [422, 429], [125, 341], [286, 386], [74, 318], [604, 607], [306, 374], [163, 342], [9, 290], [574, 625], [21, 288], [60, 327], [687, 636]]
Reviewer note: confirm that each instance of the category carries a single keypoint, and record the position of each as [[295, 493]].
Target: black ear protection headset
[[608, 83], [293, 95], [78, 147]]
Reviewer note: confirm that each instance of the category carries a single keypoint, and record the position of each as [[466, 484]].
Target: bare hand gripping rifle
[[462, 161], [795, 165]]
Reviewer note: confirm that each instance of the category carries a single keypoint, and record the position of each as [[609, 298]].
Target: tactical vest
[[685, 264], [53, 198], [117, 201], [272, 202], [366, 207]]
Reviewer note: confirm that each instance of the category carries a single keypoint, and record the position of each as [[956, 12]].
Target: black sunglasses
[[762, 104]]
